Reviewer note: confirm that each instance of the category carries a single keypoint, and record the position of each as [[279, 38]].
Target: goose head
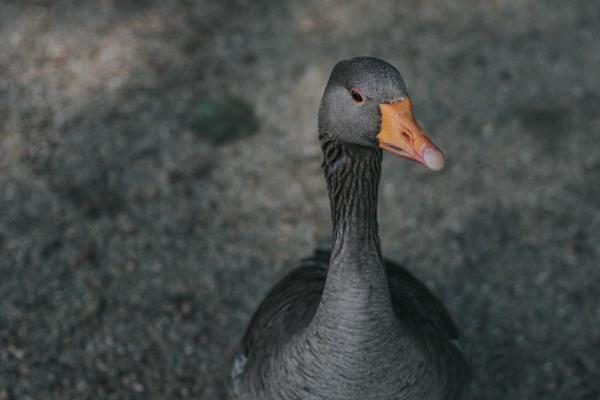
[[366, 103]]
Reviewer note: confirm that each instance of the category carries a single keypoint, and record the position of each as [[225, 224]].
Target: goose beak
[[401, 135]]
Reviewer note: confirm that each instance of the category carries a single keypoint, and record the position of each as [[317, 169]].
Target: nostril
[[406, 136]]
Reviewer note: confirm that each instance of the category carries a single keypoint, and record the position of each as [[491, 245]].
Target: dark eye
[[356, 96]]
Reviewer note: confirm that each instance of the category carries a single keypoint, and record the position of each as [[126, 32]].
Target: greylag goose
[[347, 324]]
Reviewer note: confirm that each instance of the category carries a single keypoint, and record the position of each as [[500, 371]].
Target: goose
[[346, 323]]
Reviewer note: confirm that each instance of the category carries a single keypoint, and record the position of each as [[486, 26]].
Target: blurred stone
[[226, 120]]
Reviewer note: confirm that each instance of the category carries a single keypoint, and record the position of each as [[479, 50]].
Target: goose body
[[347, 324]]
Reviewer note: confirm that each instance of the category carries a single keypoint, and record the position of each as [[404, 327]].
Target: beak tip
[[433, 159]]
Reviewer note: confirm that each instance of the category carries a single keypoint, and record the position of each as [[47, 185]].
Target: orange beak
[[401, 135]]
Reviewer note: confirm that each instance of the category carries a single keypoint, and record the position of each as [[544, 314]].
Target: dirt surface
[[159, 171]]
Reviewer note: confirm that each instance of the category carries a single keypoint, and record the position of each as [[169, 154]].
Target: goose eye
[[356, 96]]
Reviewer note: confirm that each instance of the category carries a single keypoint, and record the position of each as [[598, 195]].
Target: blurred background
[[160, 170]]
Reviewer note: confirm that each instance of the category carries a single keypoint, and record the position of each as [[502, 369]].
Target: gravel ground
[[159, 170]]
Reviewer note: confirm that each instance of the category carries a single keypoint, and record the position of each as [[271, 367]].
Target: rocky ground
[[159, 170]]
